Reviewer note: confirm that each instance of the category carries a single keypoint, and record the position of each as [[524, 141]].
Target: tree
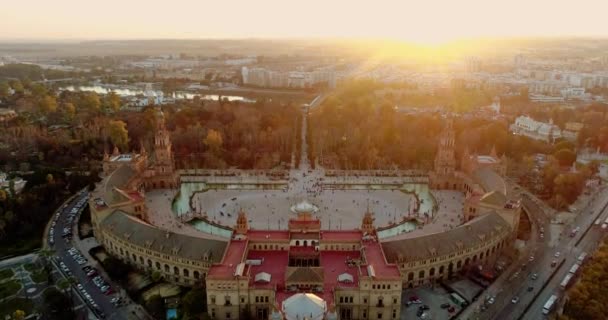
[[116, 268], [156, 276], [565, 157], [191, 302], [112, 101], [118, 133], [213, 140], [90, 101], [69, 110], [17, 86], [156, 306], [47, 104], [19, 314], [54, 304], [4, 90]]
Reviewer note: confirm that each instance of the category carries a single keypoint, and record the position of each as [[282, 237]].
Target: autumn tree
[[90, 101], [213, 140], [117, 131], [112, 101], [4, 90], [47, 104]]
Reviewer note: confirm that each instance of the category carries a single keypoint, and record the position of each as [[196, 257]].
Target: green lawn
[[9, 306], [39, 276], [6, 273], [9, 288]]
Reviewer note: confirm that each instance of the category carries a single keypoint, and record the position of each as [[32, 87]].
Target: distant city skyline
[[426, 22]]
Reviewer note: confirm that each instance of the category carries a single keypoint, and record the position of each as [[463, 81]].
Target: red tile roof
[[375, 257], [273, 263], [232, 257], [334, 263]]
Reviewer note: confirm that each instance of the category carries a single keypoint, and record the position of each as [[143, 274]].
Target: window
[[176, 271], [341, 299], [364, 300], [242, 299], [410, 276], [228, 315], [186, 273], [212, 300], [167, 268], [379, 315], [157, 265], [257, 299], [394, 314], [266, 299], [421, 274], [196, 275], [364, 314], [350, 299]]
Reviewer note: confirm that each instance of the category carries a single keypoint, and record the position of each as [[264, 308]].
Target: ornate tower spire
[[367, 225], [241, 223], [445, 161]]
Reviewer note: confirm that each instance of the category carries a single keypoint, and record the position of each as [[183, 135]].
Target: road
[[548, 282], [571, 249], [61, 245]]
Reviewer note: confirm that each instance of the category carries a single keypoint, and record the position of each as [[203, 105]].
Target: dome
[[304, 207]]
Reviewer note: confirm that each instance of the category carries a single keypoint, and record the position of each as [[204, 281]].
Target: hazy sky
[[413, 20]]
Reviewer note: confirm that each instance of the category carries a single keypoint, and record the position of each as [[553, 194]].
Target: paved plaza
[[341, 201]]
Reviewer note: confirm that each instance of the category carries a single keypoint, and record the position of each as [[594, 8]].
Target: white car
[[557, 254], [515, 300]]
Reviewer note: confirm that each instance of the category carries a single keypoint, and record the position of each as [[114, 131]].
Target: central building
[[266, 274]]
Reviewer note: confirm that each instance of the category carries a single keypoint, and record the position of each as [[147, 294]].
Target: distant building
[[572, 130], [261, 77], [537, 130]]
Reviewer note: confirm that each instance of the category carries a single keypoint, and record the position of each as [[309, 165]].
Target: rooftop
[[233, 257], [335, 264], [265, 235], [374, 257], [273, 263], [463, 237], [142, 234]]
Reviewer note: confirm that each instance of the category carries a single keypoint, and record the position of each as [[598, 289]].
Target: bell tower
[[164, 174], [445, 160], [241, 223]]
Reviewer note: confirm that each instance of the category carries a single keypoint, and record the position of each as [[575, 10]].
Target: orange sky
[[423, 21]]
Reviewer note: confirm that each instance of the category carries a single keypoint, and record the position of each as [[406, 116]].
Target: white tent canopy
[[302, 306], [345, 277], [262, 277]]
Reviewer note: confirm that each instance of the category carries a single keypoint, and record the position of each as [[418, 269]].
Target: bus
[[549, 304], [566, 281], [458, 300], [574, 269], [582, 257]]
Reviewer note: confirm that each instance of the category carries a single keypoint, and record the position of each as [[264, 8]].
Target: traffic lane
[[542, 269], [586, 245]]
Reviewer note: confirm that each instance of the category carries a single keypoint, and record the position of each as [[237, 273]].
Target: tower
[[164, 167], [445, 160], [241, 223], [367, 225]]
